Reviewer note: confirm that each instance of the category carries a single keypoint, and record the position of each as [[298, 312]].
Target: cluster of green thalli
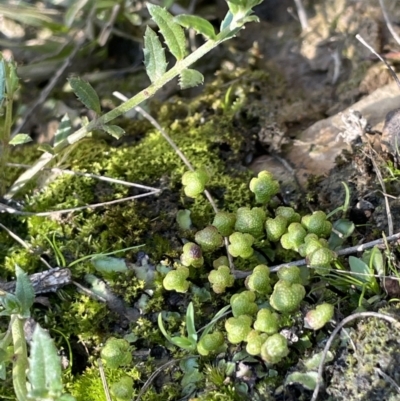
[[257, 310]]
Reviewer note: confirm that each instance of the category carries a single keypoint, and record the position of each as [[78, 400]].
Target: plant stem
[[20, 359], [5, 147], [145, 94]]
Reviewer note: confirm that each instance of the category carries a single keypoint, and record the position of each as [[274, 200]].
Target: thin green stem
[[5, 147], [20, 359], [145, 94]]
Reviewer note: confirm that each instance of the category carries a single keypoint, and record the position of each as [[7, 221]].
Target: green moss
[[209, 131]]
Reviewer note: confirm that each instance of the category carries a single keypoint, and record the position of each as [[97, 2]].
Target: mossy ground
[[213, 133], [208, 133]]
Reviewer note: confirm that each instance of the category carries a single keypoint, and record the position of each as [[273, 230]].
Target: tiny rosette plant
[[250, 221], [225, 223], [264, 187], [177, 279], [209, 239], [259, 280], [255, 340], [274, 349], [267, 321], [288, 213], [244, 304], [241, 245], [317, 223], [311, 244], [318, 317], [220, 279], [287, 296], [192, 255], [238, 328], [321, 260], [123, 389], [276, 227], [194, 182], [211, 343], [291, 274], [221, 261], [294, 237], [116, 353]]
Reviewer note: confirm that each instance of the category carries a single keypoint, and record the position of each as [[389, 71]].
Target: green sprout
[[40, 376], [191, 341]]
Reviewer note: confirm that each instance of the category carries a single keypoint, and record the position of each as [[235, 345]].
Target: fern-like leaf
[[200, 25], [172, 32], [190, 78], [154, 55]]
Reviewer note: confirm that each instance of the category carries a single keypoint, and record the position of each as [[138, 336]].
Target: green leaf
[[24, 292], [64, 130], [44, 372], [12, 81], [172, 32], [215, 319], [20, 139], [46, 148], [200, 25], [361, 268], [184, 343], [162, 328], [114, 130], [107, 264], [72, 11], [154, 55], [307, 380], [374, 258], [189, 78], [2, 79], [10, 304], [85, 93], [190, 326], [226, 21], [342, 229]]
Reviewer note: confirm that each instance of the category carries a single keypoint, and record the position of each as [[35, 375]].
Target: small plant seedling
[[39, 377], [190, 342]]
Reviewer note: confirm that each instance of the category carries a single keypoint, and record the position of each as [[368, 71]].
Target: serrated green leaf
[[24, 292], [114, 130], [85, 93], [64, 130], [154, 55], [20, 139], [172, 32], [44, 372], [200, 25], [10, 304], [190, 78]]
